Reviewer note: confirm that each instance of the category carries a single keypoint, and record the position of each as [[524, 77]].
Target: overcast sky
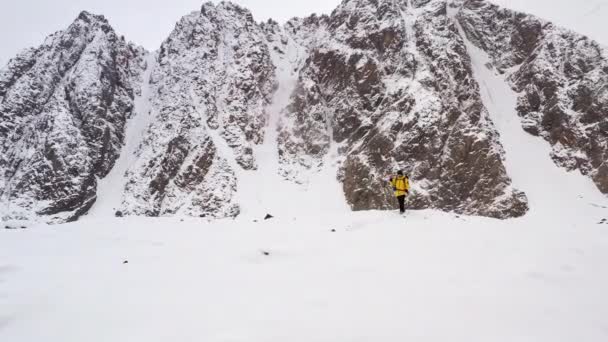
[[589, 17], [25, 23]]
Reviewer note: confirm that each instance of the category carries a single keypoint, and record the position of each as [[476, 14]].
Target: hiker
[[401, 186]]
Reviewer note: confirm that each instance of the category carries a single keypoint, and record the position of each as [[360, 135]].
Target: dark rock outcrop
[[562, 78], [392, 86]]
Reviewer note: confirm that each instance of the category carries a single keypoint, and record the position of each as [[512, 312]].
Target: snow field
[[429, 277]]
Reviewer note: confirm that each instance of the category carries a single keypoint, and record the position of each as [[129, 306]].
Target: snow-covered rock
[[562, 79], [378, 85], [63, 107], [391, 85], [210, 90]]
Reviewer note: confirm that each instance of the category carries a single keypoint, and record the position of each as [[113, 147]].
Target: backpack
[[406, 183]]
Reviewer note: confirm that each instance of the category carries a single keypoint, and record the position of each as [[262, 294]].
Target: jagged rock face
[[381, 84], [63, 108], [392, 86], [562, 77], [211, 87], [304, 33]]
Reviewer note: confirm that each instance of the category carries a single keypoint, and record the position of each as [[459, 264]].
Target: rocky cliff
[[213, 81], [391, 86], [378, 85], [63, 108], [562, 78]]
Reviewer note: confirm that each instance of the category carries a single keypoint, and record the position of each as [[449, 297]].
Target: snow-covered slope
[[561, 78], [63, 108], [109, 191], [578, 195]]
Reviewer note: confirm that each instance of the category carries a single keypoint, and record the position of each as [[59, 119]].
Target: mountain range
[[92, 124]]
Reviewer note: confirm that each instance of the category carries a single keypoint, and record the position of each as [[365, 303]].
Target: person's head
[[400, 173]]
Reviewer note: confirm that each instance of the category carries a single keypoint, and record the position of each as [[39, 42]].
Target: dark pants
[[401, 203]]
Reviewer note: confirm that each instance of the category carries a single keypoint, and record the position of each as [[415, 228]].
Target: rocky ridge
[[380, 84], [392, 86], [213, 81], [63, 108], [562, 78]]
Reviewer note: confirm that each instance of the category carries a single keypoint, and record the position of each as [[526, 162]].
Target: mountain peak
[[90, 18], [225, 6]]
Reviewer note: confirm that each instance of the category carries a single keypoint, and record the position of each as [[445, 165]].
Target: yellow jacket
[[401, 185]]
